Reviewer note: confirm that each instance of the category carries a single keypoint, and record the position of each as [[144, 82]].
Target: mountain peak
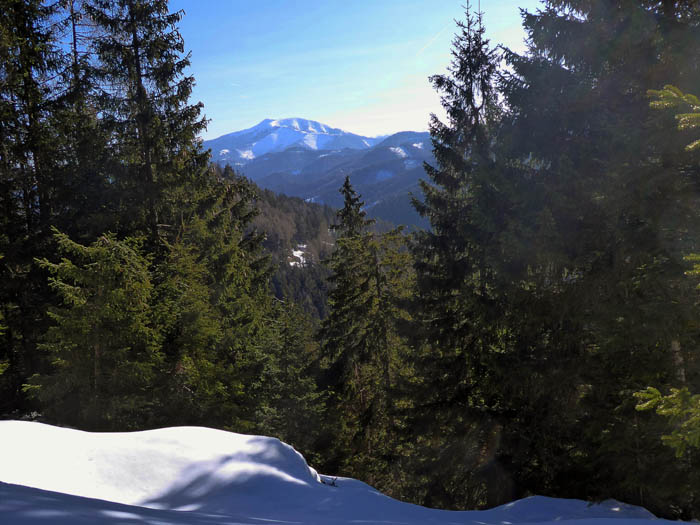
[[275, 135], [300, 124]]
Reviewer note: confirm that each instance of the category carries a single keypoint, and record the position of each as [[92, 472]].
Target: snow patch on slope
[[298, 256], [399, 152]]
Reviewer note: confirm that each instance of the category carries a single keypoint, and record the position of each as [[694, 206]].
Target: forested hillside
[[541, 337], [298, 238]]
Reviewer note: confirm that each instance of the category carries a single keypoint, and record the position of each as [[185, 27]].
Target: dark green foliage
[[102, 344], [29, 157], [459, 265], [680, 406], [623, 205], [169, 319], [363, 352], [552, 281], [305, 285], [158, 165], [496, 358], [292, 406]]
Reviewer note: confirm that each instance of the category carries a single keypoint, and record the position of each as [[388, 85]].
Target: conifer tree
[[681, 407], [206, 274], [617, 198], [102, 343], [345, 348], [159, 165], [291, 406], [29, 156], [87, 196], [361, 347], [213, 300], [460, 283]]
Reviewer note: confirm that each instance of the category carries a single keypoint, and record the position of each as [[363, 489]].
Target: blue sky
[[359, 65]]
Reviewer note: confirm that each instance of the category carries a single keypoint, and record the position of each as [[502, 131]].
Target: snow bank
[[166, 468], [190, 475]]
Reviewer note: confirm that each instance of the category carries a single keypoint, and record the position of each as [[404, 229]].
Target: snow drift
[[191, 475]]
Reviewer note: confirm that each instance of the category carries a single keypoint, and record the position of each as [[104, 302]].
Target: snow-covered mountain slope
[[271, 136], [307, 159], [385, 175], [190, 475]]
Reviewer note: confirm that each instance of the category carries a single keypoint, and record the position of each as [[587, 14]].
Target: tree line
[[539, 338]]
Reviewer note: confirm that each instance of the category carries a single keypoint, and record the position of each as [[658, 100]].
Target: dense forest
[[541, 337]]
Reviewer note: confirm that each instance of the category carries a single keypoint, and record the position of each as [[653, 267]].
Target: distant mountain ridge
[[308, 159], [272, 136]]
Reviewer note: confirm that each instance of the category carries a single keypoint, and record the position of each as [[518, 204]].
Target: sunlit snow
[[246, 154], [298, 256], [201, 476], [399, 152]]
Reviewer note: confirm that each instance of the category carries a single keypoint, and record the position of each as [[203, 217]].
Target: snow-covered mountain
[[307, 159], [201, 476], [272, 136]]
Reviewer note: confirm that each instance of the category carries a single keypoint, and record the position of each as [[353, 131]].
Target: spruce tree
[[87, 197], [102, 344], [618, 199], [159, 166], [213, 303], [208, 280], [29, 157], [362, 350], [460, 265], [291, 406]]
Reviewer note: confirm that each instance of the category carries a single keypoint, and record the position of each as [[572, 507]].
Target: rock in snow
[[192, 475]]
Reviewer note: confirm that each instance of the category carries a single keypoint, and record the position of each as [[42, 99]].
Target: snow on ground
[[298, 255], [399, 152], [200, 476]]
